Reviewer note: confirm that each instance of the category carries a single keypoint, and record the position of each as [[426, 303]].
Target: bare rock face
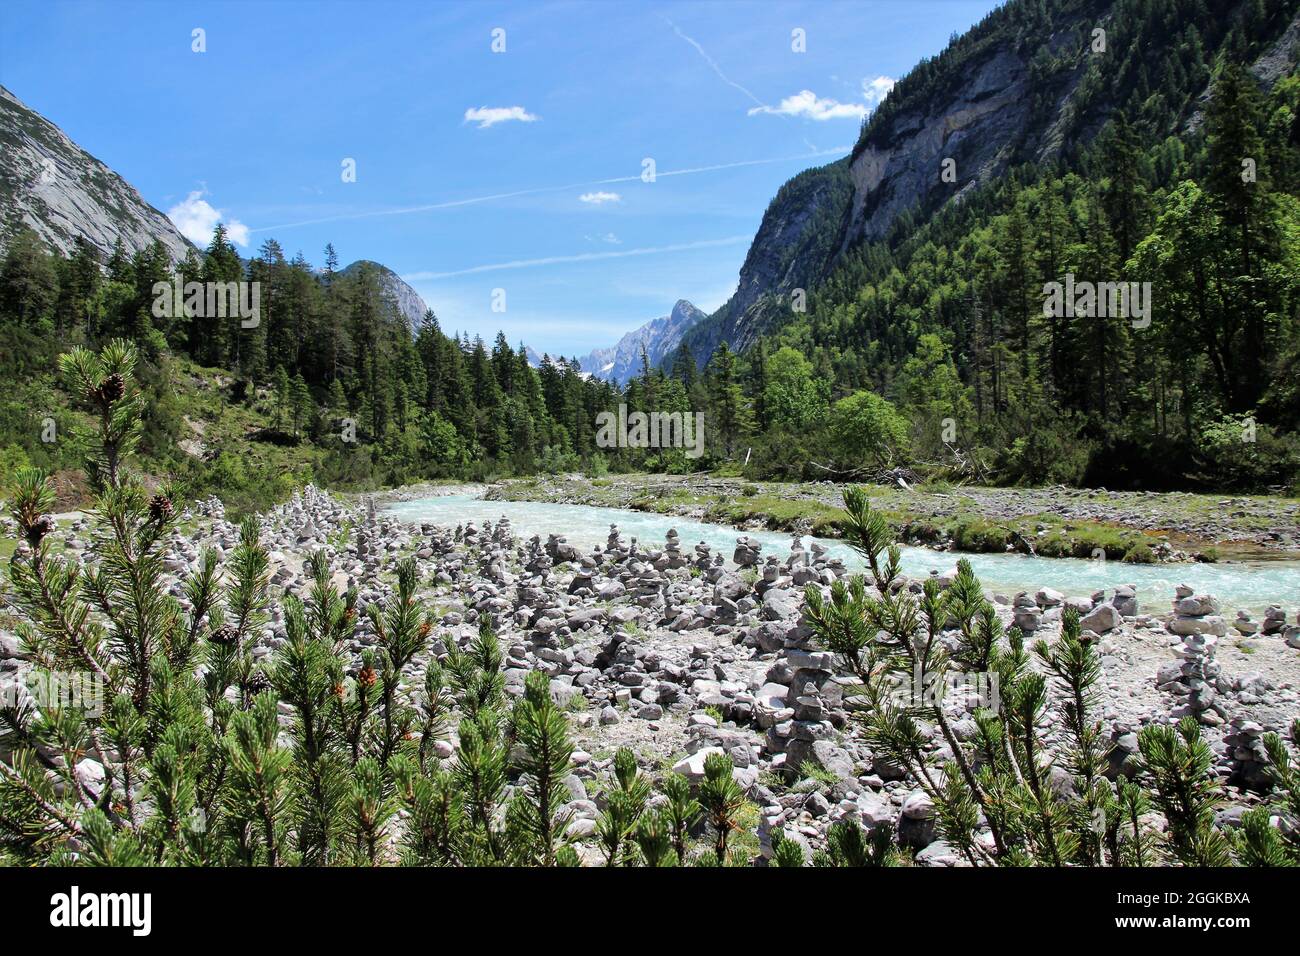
[[55, 188], [987, 104], [407, 300], [973, 129], [795, 244]]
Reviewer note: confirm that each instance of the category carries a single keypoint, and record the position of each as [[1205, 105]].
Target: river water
[[1251, 586]]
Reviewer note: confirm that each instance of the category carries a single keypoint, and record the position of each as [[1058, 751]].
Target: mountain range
[[621, 362], [1021, 87]]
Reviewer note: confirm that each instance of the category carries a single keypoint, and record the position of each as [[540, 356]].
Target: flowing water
[[1251, 586]]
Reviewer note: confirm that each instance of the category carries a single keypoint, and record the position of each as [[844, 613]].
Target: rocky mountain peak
[[622, 362], [408, 301], [52, 186]]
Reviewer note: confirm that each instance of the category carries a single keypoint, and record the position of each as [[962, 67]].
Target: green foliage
[[1001, 777], [721, 799], [198, 769], [680, 811], [1176, 763], [625, 804], [541, 730], [867, 432]]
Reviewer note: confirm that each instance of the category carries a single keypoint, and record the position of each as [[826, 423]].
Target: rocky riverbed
[[678, 650]]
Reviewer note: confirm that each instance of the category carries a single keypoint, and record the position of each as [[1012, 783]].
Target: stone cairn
[[539, 561], [502, 533], [559, 550], [582, 578], [1195, 676], [1245, 759], [747, 551], [703, 557], [1274, 619], [671, 557], [614, 547], [1275, 623], [1026, 613]]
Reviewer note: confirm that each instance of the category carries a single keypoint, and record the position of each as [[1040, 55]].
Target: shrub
[[993, 792], [198, 769], [866, 431]]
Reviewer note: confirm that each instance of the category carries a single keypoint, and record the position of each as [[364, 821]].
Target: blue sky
[[478, 170]]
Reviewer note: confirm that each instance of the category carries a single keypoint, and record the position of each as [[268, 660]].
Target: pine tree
[[625, 804], [721, 798], [726, 401], [541, 730], [301, 402], [29, 284], [283, 391]]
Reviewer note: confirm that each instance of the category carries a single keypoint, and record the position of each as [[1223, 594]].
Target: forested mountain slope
[[1101, 141]]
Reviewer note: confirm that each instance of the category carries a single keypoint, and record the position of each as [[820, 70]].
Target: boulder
[[780, 603], [1102, 618]]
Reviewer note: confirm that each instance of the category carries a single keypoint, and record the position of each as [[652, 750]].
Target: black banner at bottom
[[141, 907]]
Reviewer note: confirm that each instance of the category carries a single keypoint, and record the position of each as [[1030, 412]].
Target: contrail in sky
[[475, 200], [580, 257], [713, 64]]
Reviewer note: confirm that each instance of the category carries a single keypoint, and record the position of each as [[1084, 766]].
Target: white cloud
[[608, 238], [600, 197], [876, 90], [809, 104], [195, 218], [487, 116]]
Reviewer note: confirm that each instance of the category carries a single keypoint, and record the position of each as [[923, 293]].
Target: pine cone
[[110, 389], [425, 628], [258, 683], [40, 528], [367, 676], [161, 509], [224, 636]]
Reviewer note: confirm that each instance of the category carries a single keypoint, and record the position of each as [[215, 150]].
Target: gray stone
[[1102, 618], [780, 603], [692, 767], [833, 759], [938, 853]]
